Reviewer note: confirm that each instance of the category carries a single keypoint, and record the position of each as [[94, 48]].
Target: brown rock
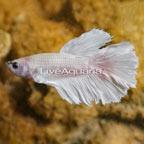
[[52, 7], [5, 43], [35, 35], [10, 9], [30, 113], [106, 132], [94, 13]]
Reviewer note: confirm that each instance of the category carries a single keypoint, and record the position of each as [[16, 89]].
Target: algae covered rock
[[109, 131], [35, 35], [33, 113], [94, 13], [52, 7], [5, 43], [10, 9]]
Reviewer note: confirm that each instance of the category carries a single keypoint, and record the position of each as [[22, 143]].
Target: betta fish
[[86, 69]]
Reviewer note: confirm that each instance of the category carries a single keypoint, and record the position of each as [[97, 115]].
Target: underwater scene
[[34, 113]]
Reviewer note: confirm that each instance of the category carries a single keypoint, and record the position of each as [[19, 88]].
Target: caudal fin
[[118, 63]]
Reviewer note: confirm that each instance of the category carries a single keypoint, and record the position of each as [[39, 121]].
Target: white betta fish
[[84, 70]]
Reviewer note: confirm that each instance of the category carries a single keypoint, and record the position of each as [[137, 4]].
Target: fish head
[[19, 67]]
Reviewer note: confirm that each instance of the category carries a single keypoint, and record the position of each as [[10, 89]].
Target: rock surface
[[31, 113], [5, 43], [52, 7], [36, 35], [95, 13]]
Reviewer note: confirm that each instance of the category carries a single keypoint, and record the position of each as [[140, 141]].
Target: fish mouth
[[8, 63]]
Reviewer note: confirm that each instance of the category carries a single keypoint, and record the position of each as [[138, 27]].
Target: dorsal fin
[[87, 44]]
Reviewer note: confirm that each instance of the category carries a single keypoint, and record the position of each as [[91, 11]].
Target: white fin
[[119, 63], [90, 88], [87, 44]]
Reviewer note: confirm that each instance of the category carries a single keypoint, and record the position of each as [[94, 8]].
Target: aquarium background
[[31, 113]]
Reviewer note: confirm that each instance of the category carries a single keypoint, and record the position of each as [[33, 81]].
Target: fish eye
[[15, 65]]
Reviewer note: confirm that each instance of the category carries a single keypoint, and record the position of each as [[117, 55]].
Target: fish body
[[38, 65], [82, 72]]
